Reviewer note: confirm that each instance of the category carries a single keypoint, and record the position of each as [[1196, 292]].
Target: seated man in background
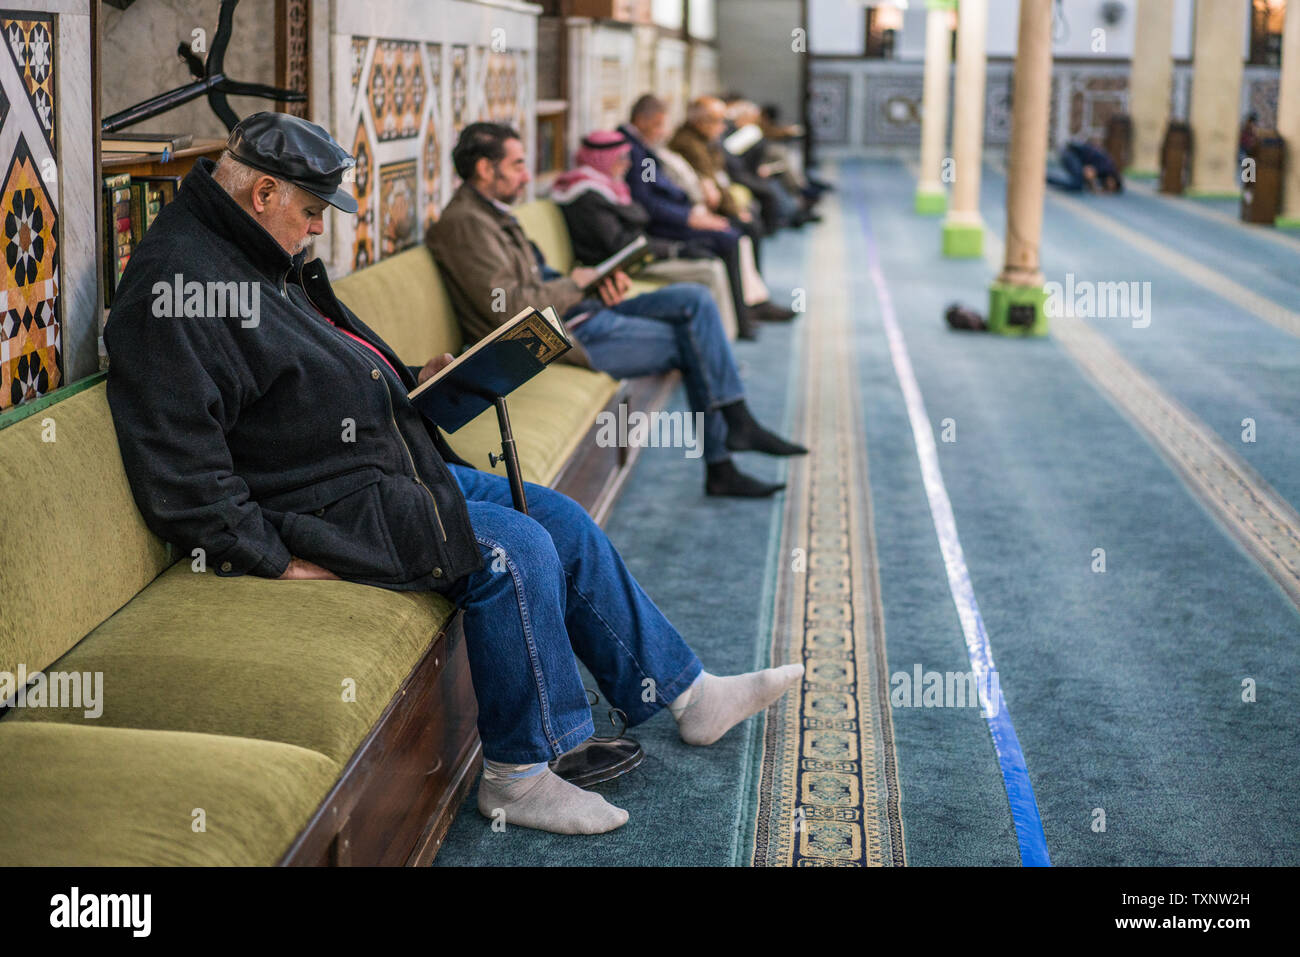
[[1086, 166], [748, 163], [672, 213], [493, 271], [699, 142], [754, 292], [779, 138], [231, 439], [602, 218]]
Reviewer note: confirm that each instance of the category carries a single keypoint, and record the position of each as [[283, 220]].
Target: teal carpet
[[1124, 687], [1220, 361], [706, 563]]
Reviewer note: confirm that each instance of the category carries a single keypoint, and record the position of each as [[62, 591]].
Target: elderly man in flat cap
[[231, 429]]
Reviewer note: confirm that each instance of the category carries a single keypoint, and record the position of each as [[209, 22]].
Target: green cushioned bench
[[244, 720]]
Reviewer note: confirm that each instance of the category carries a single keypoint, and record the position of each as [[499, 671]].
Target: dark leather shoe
[[960, 317], [724, 479], [761, 440], [771, 312], [597, 760]]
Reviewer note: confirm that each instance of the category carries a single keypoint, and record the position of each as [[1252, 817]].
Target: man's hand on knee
[[300, 568]]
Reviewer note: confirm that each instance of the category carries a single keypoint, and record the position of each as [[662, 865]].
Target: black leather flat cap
[[295, 150]]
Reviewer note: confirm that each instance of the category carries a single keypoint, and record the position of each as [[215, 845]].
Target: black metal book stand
[[598, 758]]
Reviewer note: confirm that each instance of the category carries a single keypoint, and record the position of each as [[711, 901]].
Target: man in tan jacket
[[699, 142], [492, 272]]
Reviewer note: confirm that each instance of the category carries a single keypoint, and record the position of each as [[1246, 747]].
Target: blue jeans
[[553, 586], [1072, 166], [676, 327]]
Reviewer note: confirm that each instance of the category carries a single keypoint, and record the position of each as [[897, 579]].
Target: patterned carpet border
[[828, 788]]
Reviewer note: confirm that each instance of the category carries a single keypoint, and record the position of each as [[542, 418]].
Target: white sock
[[503, 773], [532, 795], [678, 704], [716, 705]]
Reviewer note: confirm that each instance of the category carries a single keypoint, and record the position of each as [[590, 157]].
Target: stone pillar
[[1216, 97], [1150, 84], [1288, 117], [1021, 282], [963, 231], [931, 196]]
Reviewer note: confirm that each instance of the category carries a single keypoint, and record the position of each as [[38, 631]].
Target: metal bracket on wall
[[210, 80]]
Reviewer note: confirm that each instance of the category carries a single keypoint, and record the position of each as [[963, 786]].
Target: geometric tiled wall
[[50, 292], [408, 76], [31, 346], [877, 103], [612, 65]]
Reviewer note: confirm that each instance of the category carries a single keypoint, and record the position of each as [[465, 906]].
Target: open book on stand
[[495, 366]]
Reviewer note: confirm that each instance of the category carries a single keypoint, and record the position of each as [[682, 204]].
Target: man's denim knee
[[702, 296], [519, 545], [559, 505], [570, 527], [704, 312]]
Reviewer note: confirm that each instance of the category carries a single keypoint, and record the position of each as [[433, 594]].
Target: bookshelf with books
[[136, 185], [145, 163]]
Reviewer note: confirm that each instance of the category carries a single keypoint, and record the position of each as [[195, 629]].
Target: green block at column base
[[1017, 310], [1198, 193], [1132, 173], [963, 241], [931, 204], [1287, 222]]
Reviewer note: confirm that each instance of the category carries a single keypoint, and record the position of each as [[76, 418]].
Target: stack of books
[[116, 145], [131, 204]]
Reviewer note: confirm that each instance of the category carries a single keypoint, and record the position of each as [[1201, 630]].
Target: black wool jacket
[[599, 228], [262, 433]]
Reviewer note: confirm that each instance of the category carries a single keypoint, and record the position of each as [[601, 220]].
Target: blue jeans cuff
[[667, 693], [563, 744]]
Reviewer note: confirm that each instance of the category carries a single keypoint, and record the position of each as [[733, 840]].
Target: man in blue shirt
[[674, 216], [1085, 165]]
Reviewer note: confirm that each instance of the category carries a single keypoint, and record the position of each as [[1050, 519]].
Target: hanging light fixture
[[889, 14]]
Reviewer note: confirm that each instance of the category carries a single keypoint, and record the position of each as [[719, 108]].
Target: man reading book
[[492, 271], [674, 215], [234, 441]]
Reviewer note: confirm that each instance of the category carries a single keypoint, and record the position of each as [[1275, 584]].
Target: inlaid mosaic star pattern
[[410, 100], [363, 249], [30, 42], [31, 348], [397, 89]]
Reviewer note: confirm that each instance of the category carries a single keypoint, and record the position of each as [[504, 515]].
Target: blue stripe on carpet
[[1020, 792], [1126, 685]]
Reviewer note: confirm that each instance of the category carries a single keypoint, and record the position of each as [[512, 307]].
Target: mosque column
[[1288, 116], [1150, 84], [963, 230], [931, 196], [1017, 297], [1216, 97]]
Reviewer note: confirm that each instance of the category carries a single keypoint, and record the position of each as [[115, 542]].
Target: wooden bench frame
[[401, 789]]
